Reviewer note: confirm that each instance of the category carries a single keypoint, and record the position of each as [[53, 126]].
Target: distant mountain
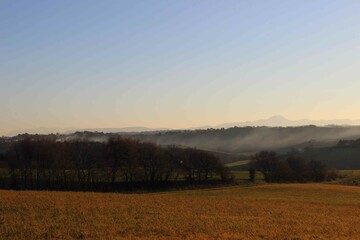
[[38, 131], [280, 121], [274, 121], [73, 130], [118, 130]]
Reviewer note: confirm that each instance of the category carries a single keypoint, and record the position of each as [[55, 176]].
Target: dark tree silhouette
[[36, 162], [290, 169]]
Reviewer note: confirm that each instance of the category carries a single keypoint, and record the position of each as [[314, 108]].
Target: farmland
[[279, 211]]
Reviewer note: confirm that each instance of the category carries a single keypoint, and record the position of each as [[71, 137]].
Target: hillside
[[340, 157], [239, 143], [253, 139]]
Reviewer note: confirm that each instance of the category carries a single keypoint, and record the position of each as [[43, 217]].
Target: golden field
[[283, 211]]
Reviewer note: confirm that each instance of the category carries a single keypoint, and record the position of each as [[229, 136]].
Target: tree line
[[289, 168], [118, 164]]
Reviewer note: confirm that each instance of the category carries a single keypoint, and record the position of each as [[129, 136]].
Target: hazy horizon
[[273, 121], [176, 64]]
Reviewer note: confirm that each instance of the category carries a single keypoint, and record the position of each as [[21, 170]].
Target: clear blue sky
[[176, 64]]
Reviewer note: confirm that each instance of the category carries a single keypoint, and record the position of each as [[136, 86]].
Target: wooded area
[[115, 165]]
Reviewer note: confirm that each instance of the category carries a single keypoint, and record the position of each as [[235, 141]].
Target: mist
[[252, 139]]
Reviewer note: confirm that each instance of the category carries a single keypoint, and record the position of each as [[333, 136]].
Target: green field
[[237, 163]]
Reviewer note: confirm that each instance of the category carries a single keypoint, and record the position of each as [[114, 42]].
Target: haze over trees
[[253, 139]]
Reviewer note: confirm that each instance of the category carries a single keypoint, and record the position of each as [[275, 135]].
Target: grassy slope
[[308, 211]]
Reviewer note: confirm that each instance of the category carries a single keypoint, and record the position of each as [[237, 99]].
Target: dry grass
[[291, 211], [349, 177]]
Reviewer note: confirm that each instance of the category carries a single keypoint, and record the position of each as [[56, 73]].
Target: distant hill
[[252, 139], [336, 157], [118, 130], [344, 155], [74, 130], [280, 121], [239, 143], [274, 121]]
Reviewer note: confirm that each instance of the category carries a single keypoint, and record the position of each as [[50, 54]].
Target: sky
[[176, 64]]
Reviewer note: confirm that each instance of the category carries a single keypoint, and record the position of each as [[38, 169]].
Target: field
[[284, 211], [237, 163], [349, 177]]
